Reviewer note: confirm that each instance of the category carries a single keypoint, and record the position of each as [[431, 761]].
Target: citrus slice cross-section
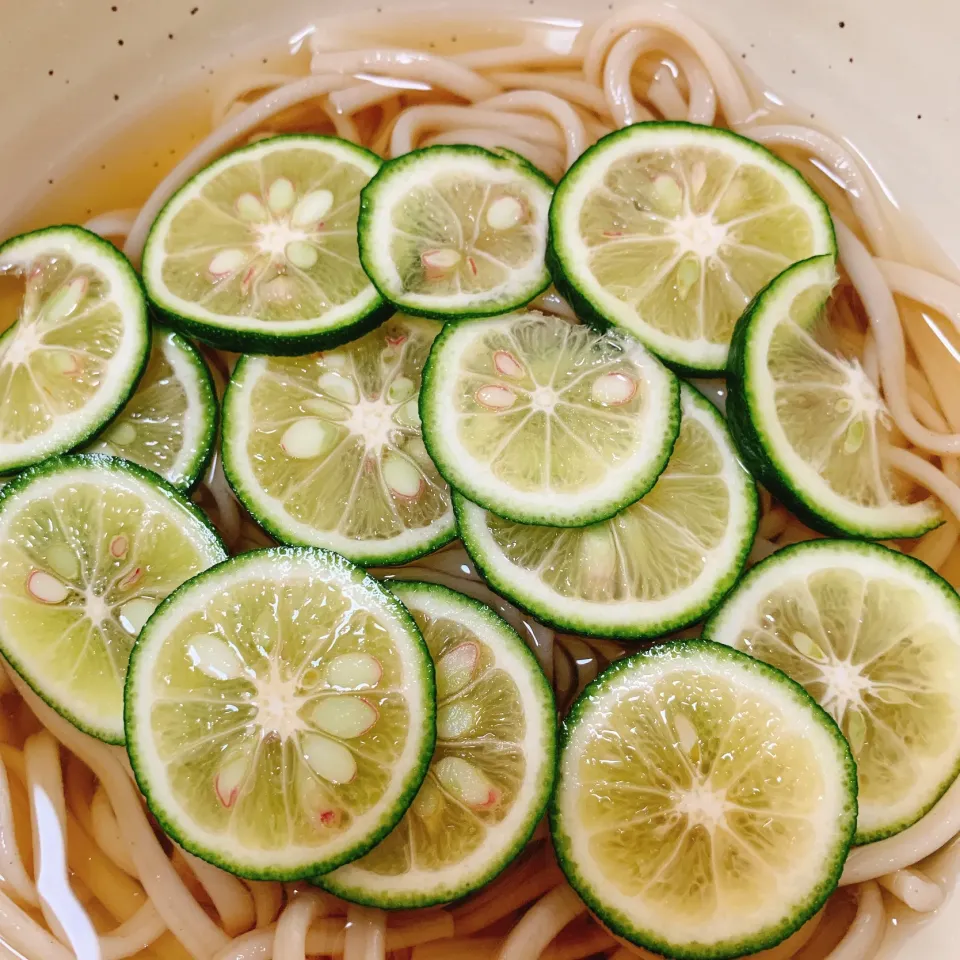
[[669, 229], [75, 353], [325, 450], [454, 232], [705, 804], [492, 768], [809, 423], [258, 252], [544, 421], [169, 424], [657, 566], [280, 713], [874, 636], [89, 546]]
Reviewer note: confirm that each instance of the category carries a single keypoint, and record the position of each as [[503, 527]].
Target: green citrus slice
[[280, 713], [705, 804], [669, 229], [75, 354], [492, 767], [544, 421], [169, 424], [809, 423], [258, 252], [456, 231], [656, 566], [89, 546], [325, 449], [874, 636]]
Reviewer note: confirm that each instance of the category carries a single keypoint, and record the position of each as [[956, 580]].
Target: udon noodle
[[82, 867]]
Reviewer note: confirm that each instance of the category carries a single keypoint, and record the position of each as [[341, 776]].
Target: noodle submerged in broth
[[85, 872]]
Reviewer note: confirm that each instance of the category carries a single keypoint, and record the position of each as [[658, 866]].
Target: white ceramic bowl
[[74, 75]]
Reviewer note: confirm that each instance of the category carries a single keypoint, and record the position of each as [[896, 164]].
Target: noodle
[[232, 900], [541, 924], [866, 931]]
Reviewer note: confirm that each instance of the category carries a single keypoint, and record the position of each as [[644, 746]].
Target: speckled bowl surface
[[78, 74]]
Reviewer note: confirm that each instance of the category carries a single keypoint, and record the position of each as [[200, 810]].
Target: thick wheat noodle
[[290, 942], [14, 874], [617, 80], [871, 360], [885, 323], [365, 937], [513, 898], [182, 914], [343, 124], [729, 87], [701, 105], [536, 101], [238, 88], [115, 223], [245, 122], [541, 923], [934, 548], [865, 933], [422, 68], [910, 886], [227, 506], [936, 828], [840, 162], [551, 302], [545, 158], [25, 935], [389, 110], [44, 782], [267, 900], [135, 934], [928, 476], [926, 288], [664, 93], [529, 55], [585, 944], [571, 89], [255, 945], [231, 899], [106, 831], [415, 121]]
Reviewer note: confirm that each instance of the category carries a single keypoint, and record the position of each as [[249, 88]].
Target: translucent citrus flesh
[[81, 570], [336, 436], [546, 405], [149, 430], [830, 412], [652, 549], [687, 236], [58, 356], [866, 649], [478, 765], [455, 234], [271, 236], [697, 796], [278, 712]]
